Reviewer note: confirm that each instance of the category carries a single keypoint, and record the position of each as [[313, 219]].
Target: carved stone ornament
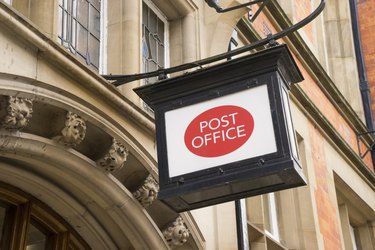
[[148, 192], [115, 158], [16, 112], [176, 233], [74, 131]]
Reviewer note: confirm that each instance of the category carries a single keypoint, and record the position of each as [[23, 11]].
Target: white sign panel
[[219, 131]]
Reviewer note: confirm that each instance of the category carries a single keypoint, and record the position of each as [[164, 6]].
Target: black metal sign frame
[[274, 68]]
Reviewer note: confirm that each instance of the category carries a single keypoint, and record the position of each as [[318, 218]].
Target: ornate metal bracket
[[123, 79], [368, 149]]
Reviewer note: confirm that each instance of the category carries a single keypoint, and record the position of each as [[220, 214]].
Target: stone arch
[[67, 178], [104, 213]]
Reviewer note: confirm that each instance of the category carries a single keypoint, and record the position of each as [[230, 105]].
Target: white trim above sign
[[223, 130]]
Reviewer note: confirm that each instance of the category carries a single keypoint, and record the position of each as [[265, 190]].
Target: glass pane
[[161, 56], [94, 22], [83, 12], [94, 51], [64, 3], [2, 222], [36, 239], [96, 4], [152, 22], [352, 236], [68, 5], [73, 7], [147, 49], [62, 26], [153, 47], [267, 217], [161, 30], [65, 26], [154, 39], [73, 40], [152, 66], [7, 219], [271, 220], [82, 40], [144, 14]]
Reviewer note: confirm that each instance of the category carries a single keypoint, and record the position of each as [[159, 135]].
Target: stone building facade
[[78, 164]]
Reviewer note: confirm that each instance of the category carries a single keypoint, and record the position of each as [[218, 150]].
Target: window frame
[[69, 29], [272, 215], [352, 237], [23, 209], [164, 19]]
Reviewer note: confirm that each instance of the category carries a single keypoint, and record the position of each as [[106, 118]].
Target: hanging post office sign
[[226, 132]]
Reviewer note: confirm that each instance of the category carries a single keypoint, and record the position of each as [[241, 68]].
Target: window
[[36, 237], [8, 2], [233, 43], [352, 237], [26, 223], [154, 39], [154, 42], [270, 217], [80, 29]]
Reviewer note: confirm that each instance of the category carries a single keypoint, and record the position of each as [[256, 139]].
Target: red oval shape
[[219, 131]]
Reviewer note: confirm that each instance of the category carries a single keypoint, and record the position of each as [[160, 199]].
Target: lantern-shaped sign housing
[[226, 132]]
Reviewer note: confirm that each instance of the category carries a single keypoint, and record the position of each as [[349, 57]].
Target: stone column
[[40, 12], [124, 41]]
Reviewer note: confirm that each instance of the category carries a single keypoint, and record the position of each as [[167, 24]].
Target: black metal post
[[363, 82], [241, 222]]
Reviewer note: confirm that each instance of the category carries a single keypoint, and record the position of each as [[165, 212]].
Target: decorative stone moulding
[[148, 192], [15, 112], [176, 234], [115, 158], [74, 131]]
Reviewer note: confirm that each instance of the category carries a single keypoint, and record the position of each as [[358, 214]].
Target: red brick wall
[[317, 96], [303, 8], [326, 208], [326, 203], [366, 13]]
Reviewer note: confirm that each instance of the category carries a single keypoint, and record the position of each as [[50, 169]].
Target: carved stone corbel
[[74, 131], [115, 158], [148, 192], [176, 234], [15, 112]]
